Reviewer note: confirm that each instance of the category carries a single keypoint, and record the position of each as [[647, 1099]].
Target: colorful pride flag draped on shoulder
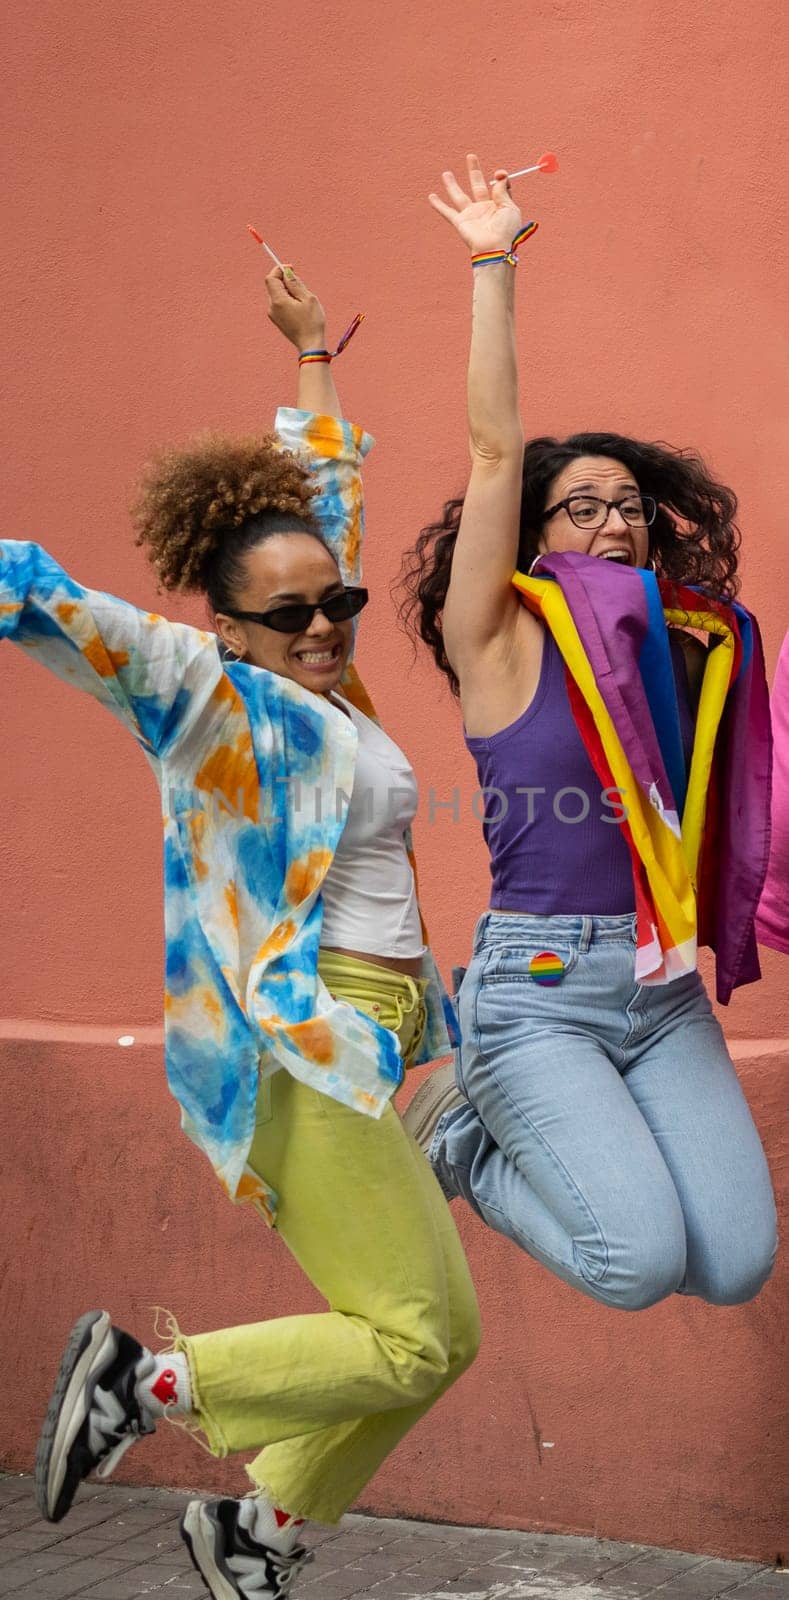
[[698, 841]]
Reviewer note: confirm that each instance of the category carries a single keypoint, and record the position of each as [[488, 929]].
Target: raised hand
[[295, 310], [488, 218]]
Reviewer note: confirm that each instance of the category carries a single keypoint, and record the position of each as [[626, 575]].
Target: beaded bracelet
[[488, 258], [311, 357]]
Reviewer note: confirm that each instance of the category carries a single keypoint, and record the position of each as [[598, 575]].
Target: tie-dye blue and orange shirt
[[234, 749]]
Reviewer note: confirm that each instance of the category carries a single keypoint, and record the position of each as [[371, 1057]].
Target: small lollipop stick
[[522, 171], [267, 248]]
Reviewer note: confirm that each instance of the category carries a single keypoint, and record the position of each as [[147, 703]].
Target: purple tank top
[[557, 847]]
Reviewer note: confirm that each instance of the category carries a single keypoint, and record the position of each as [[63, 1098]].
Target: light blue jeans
[[606, 1132]]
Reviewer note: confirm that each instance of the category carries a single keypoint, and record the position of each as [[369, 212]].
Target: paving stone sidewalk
[[118, 1544]]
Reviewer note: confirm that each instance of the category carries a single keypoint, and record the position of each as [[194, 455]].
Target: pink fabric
[[772, 920]]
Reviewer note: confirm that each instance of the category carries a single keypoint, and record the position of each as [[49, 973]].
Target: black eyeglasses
[[297, 618], [589, 511]]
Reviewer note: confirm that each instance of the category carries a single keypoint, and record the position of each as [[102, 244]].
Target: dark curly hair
[[199, 511], [694, 538]]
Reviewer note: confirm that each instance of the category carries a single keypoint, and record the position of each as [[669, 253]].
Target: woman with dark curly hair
[[597, 1119], [298, 980]]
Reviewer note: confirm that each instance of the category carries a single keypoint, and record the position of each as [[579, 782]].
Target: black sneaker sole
[[52, 1449]]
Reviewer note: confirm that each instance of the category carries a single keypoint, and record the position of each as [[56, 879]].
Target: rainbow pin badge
[[546, 968]]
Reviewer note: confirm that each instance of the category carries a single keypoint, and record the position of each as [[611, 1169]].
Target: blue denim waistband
[[497, 927]]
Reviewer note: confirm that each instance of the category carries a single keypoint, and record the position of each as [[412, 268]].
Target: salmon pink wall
[[142, 140]]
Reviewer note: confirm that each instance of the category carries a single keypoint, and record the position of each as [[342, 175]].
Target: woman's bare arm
[[482, 609]]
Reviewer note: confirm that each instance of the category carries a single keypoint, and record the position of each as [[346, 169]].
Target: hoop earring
[[650, 567], [532, 565]]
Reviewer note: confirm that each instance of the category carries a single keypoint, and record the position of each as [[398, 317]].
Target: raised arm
[[482, 609], [155, 676], [299, 315], [331, 448]]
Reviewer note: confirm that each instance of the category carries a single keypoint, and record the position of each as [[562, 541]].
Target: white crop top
[[369, 895]]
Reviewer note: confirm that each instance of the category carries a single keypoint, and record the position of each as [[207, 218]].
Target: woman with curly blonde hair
[[298, 982]]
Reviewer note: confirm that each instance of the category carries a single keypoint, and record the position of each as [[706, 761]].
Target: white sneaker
[[439, 1093]]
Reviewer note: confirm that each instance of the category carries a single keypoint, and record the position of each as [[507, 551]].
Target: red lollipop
[[546, 163]]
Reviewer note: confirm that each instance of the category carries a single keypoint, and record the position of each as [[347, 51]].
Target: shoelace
[[274, 1575], [110, 1461], [107, 1417]]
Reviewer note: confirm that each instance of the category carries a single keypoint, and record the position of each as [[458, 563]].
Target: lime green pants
[[326, 1397]]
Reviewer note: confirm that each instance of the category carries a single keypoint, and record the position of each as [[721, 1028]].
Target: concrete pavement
[[121, 1543]]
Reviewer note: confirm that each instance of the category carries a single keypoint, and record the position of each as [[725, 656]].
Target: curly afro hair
[[199, 511]]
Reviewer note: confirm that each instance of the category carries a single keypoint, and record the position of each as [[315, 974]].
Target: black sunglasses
[[296, 618]]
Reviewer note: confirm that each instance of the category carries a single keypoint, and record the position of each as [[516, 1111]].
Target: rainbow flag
[[698, 842]]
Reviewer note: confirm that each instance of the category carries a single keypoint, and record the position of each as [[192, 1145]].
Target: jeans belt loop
[[587, 926], [413, 993]]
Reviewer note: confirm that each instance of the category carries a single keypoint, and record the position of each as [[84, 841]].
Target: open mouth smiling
[[622, 557], [325, 657]]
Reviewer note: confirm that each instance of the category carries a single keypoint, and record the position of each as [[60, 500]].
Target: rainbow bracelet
[[487, 258], [311, 357]]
